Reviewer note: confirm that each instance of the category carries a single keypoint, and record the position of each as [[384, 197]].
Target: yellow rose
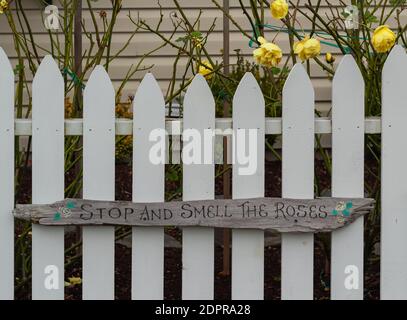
[[206, 69], [3, 6], [197, 42], [279, 9], [75, 280], [329, 58], [383, 39], [307, 48], [269, 54]]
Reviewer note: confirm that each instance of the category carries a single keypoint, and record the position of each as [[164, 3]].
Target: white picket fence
[[297, 127]]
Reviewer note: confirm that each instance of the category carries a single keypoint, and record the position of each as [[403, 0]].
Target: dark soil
[[173, 263]]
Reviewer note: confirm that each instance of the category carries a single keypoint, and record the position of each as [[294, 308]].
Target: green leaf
[[172, 176], [370, 17], [285, 70], [196, 34], [18, 68], [275, 70]]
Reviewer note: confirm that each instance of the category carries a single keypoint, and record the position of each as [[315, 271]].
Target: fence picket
[[98, 183], [248, 245], [47, 178], [297, 250], [198, 184], [148, 186], [347, 175], [6, 178], [393, 268]]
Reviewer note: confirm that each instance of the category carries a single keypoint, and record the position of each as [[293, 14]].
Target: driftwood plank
[[282, 215]]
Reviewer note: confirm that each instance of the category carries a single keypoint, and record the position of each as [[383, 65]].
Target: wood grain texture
[[283, 215], [47, 176], [6, 178], [98, 183], [347, 173]]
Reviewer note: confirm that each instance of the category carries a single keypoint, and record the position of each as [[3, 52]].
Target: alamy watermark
[[51, 281], [51, 20], [352, 277], [351, 15], [198, 147]]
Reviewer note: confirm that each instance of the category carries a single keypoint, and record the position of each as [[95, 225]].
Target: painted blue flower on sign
[[65, 211], [343, 208]]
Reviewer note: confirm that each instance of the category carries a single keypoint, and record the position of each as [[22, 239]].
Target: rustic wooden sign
[[283, 215]]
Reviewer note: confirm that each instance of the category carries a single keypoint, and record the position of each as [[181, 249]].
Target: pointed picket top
[[199, 105], [348, 95], [249, 113], [248, 101], [47, 115], [47, 73], [396, 57], [148, 116], [99, 100], [98, 134], [348, 92], [147, 100], [347, 70], [5, 65], [199, 114], [6, 93], [99, 82], [298, 97], [393, 80], [48, 98], [298, 79], [98, 125], [6, 89], [197, 83], [48, 92], [99, 77]]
